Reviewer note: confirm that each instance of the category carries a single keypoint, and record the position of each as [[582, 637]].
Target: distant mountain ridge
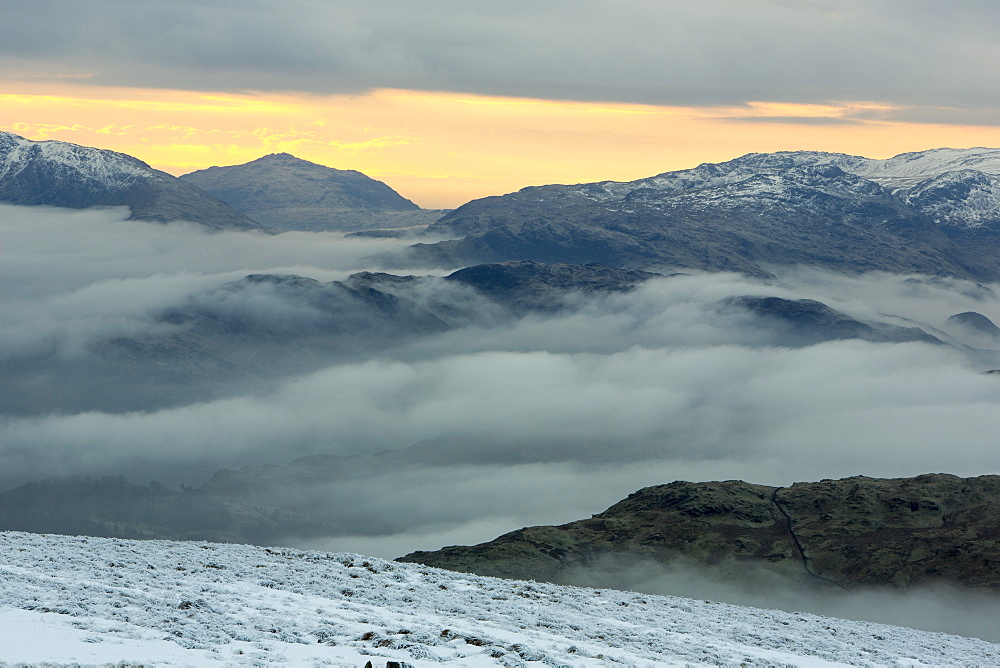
[[57, 173], [289, 193], [931, 212]]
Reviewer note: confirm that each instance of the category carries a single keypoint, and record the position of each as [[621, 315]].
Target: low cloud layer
[[932, 608], [500, 422], [901, 52], [73, 277], [658, 374]]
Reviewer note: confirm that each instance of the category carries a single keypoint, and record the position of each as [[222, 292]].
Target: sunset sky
[[447, 101]]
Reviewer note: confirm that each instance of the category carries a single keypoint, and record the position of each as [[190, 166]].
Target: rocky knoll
[[807, 321], [849, 533]]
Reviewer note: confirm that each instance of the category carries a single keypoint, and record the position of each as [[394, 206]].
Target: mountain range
[[933, 212], [275, 193], [56, 173]]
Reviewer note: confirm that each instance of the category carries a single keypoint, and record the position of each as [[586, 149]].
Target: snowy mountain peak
[[789, 159], [966, 199], [907, 169], [55, 173], [904, 170], [104, 169]]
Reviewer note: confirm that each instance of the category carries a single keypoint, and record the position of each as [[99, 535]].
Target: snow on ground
[[104, 601]]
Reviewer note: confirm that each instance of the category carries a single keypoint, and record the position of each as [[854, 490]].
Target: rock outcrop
[[847, 533]]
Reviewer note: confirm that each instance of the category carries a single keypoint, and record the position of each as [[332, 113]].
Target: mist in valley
[[939, 607], [495, 419]]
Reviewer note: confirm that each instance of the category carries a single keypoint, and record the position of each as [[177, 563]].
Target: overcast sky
[[672, 52]]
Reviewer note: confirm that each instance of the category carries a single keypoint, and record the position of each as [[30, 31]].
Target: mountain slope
[[743, 215], [90, 600], [965, 203], [60, 174], [288, 193], [852, 532]]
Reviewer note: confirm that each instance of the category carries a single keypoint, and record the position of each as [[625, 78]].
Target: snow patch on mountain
[[902, 171], [965, 198], [78, 599], [908, 169], [105, 169]]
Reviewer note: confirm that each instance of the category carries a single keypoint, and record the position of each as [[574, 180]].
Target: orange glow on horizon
[[443, 149]]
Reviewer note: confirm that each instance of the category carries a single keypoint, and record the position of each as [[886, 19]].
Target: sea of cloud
[[656, 375], [501, 422]]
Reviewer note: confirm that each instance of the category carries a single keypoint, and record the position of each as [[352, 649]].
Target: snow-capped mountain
[[831, 210], [69, 165], [908, 169], [966, 200], [900, 172], [957, 188], [61, 174], [91, 600]]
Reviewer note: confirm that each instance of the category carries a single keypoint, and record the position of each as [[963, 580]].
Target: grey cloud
[[828, 410], [717, 52], [798, 120], [645, 376], [76, 276]]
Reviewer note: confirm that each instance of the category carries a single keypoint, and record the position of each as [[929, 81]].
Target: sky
[[447, 101]]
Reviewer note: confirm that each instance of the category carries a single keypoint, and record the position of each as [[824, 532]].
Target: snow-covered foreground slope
[[94, 600]]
